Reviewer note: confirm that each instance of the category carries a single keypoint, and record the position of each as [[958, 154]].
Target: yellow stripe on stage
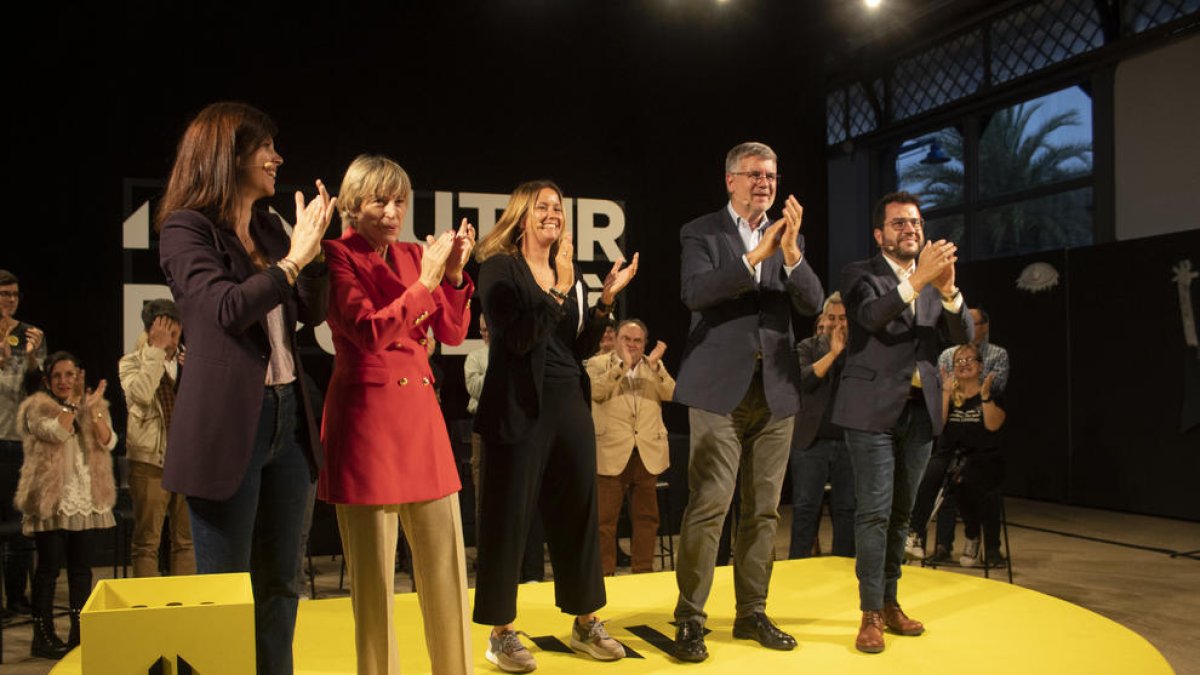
[[973, 625]]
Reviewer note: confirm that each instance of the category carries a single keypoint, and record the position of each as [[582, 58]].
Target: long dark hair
[[205, 175]]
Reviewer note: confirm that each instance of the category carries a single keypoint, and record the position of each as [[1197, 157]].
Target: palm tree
[[1012, 157]]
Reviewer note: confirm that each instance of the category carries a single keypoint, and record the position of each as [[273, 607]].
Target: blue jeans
[[825, 460], [887, 470], [257, 530]]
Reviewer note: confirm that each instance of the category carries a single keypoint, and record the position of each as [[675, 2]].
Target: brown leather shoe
[[870, 633], [898, 622]]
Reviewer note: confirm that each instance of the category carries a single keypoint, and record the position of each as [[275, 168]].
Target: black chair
[[123, 514], [666, 543]]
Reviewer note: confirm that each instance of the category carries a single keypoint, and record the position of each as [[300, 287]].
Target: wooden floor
[[1053, 550]]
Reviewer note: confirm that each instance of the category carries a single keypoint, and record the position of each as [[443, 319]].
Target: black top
[[561, 364], [828, 429], [525, 321], [964, 426]]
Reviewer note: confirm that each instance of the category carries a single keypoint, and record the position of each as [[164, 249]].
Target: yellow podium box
[[169, 625]]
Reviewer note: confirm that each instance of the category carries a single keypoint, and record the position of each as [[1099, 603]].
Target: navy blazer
[[223, 301], [885, 345], [736, 321], [520, 317]]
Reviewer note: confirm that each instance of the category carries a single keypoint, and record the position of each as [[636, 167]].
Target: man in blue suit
[[903, 309], [741, 277]]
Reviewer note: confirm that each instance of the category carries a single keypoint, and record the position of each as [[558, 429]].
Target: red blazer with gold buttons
[[384, 435]]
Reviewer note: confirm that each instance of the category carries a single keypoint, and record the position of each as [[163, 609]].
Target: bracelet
[[985, 400], [290, 270], [558, 294], [604, 309]]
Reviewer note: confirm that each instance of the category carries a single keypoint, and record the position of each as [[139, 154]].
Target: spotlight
[[872, 4]]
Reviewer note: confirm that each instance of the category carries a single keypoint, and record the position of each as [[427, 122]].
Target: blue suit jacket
[[736, 321], [885, 344]]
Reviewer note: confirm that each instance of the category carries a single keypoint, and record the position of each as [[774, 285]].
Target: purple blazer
[[224, 300]]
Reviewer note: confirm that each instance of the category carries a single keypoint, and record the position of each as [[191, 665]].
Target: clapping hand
[[564, 264], [947, 380], [986, 389], [656, 354], [434, 259], [460, 252], [932, 264], [789, 243], [311, 222], [837, 339], [617, 279]]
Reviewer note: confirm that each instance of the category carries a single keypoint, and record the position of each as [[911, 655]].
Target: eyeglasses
[[756, 176], [10, 295], [965, 362], [898, 224]]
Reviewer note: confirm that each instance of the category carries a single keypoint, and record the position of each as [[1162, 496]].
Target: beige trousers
[[434, 531], [151, 506]]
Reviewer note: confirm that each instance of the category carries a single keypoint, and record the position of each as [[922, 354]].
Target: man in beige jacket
[[149, 375], [628, 388]]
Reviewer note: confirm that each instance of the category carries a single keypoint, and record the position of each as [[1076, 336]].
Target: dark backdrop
[[1099, 370], [635, 102]]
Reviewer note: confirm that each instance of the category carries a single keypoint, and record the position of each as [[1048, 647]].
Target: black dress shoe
[[689, 642], [758, 627]]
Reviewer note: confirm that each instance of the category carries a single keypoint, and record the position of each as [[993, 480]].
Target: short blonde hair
[[368, 177], [504, 237]]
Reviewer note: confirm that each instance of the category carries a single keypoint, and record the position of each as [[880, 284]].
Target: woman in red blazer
[[388, 455]]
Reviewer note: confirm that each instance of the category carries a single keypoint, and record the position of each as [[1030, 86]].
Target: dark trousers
[[257, 530], [931, 482], [979, 497], [551, 470], [825, 460], [19, 548], [53, 549]]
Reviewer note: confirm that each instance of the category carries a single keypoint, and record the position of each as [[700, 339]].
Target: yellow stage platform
[[973, 626]]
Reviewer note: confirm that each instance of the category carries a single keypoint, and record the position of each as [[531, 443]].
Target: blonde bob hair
[[369, 177], [505, 237]]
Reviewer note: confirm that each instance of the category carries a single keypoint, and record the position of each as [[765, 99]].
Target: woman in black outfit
[[539, 452], [973, 419]]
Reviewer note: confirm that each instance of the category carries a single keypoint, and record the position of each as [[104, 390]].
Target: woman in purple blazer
[[244, 444]]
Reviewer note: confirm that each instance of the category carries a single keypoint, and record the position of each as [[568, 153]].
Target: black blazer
[[816, 393], [520, 317], [224, 300], [736, 321], [885, 344]]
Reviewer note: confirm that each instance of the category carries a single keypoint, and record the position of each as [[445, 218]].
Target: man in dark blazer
[[741, 278], [903, 309], [819, 453]]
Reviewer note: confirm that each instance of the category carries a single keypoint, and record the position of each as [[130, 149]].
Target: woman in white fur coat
[[66, 489]]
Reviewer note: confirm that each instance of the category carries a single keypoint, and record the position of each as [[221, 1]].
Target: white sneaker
[[914, 548], [970, 554]]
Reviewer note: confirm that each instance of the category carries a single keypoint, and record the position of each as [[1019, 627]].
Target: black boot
[[73, 636], [45, 643]]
